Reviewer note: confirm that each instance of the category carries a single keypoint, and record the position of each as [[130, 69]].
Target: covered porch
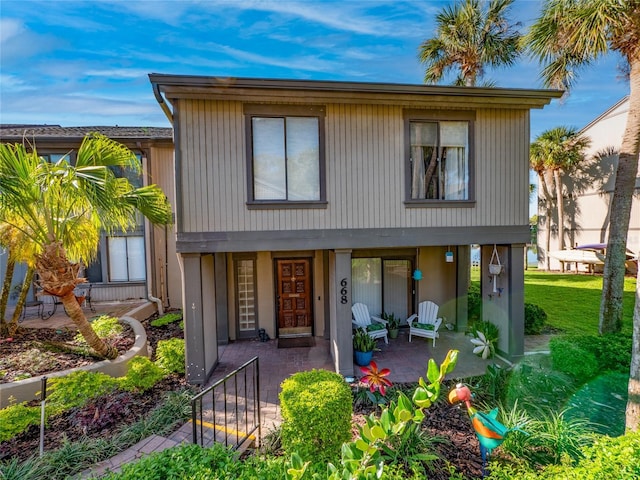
[[407, 362]]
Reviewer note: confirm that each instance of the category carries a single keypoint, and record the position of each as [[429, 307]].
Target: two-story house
[[295, 199], [140, 264]]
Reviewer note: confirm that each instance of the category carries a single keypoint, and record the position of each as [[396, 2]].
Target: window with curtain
[[439, 160]]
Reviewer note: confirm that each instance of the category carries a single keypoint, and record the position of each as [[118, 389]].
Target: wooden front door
[[294, 297]]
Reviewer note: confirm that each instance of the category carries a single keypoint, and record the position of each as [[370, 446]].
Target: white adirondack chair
[[426, 322], [362, 319]]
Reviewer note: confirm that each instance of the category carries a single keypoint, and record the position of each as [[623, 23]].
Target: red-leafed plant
[[377, 382]]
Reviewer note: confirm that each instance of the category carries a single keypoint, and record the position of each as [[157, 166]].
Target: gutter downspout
[[162, 102], [147, 245]]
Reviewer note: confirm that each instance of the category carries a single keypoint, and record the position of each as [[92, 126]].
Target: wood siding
[[365, 171], [166, 269]]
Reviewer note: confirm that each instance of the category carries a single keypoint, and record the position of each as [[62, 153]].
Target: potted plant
[[393, 324], [363, 346]]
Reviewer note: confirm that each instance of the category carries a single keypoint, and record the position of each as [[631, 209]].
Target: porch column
[[200, 348], [516, 304], [340, 311], [222, 313]]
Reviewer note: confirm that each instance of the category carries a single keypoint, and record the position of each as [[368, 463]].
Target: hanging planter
[[495, 267]]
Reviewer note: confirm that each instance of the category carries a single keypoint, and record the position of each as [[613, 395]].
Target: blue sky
[[86, 63]]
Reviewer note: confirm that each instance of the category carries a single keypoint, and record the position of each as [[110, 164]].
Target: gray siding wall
[[365, 168]]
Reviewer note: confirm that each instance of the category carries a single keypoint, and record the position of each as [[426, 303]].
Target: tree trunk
[[547, 233], [59, 277], [24, 291], [4, 296], [560, 207], [74, 310], [626, 172], [633, 404]]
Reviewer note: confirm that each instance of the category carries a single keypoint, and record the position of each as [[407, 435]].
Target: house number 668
[[343, 291]]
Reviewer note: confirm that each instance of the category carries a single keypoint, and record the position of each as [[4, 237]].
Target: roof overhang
[[175, 87]]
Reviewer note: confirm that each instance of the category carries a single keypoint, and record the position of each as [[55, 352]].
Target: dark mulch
[[458, 446], [123, 408], [36, 351]]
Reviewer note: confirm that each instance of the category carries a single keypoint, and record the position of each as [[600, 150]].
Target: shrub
[[166, 319], [188, 462], [612, 351], [77, 388], [534, 319], [142, 375], [170, 355], [474, 302], [316, 413], [569, 358], [104, 326], [16, 418], [607, 458]]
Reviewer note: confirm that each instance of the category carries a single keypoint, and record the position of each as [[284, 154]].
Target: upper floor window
[[440, 159], [286, 154]]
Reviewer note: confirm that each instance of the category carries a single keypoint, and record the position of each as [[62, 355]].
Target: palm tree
[[469, 37], [537, 164], [560, 150], [568, 35], [62, 208], [17, 247]]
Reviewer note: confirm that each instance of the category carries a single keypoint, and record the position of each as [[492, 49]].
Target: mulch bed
[[89, 421], [458, 446]]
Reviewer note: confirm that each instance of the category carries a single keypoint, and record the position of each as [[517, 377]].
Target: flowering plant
[[483, 347], [376, 378]]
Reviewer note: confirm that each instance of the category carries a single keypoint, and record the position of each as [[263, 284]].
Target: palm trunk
[[633, 403], [4, 297], [74, 310], [560, 207], [59, 277], [626, 172], [547, 233], [24, 291]]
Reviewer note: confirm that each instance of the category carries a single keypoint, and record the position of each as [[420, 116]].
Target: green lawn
[[572, 302]]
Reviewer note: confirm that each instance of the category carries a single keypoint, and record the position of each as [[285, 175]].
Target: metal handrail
[[220, 421]]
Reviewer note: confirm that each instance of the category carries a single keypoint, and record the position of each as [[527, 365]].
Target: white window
[[285, 156], [286, 159], [126, 259]]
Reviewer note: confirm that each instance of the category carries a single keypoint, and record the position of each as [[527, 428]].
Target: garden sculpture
[[489, 430]]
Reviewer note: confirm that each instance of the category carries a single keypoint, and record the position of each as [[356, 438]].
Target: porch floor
[[407, 362]]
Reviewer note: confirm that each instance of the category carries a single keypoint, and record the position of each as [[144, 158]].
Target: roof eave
[[189, 86]]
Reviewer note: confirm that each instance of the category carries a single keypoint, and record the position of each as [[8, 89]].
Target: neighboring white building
[[591, 189]]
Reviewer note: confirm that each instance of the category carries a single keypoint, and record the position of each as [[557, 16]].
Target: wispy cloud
[[13, 83], [9, 27], [117, 73]]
